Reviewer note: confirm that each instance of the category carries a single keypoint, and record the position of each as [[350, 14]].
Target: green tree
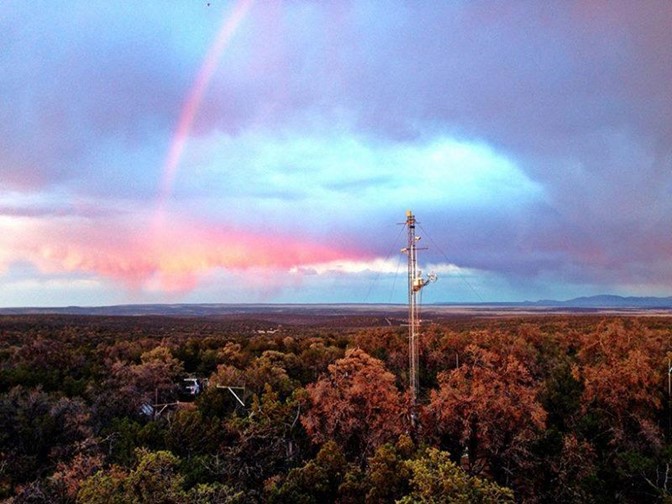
[[265, 442], [38, 431], [387, 473], [436, 479], [154, 480], [104, 487], [215, 493], [316, 482]]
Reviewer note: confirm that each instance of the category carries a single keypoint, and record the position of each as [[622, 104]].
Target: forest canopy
[[157, 409]]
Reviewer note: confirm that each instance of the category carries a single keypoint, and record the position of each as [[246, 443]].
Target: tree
[[69, 476], [129, 386], [489, 407], [619, 365], [271, 368], [574, 471], [39, 430], [316, 358], [104, 487], [387, 474], [356, 404], [622, 382], [215, 493], [436, 479], [189, 433], [316, 482], [155, 479], [265, 442]]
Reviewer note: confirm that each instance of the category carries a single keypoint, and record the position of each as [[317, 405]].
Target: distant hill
[[209, 310], [608, 301], [602, 302]]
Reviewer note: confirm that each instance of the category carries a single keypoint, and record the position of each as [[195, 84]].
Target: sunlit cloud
[[377, 265], [348, 267], [172, 259], [300, 167]]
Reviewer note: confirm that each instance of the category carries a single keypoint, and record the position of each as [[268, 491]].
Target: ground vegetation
[[544, 408]]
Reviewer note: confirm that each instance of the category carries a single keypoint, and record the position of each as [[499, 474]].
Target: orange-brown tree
[[488, 409], [620, 368], [356, 404], [621, 365]]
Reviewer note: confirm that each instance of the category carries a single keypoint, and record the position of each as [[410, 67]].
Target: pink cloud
[[171, 258]]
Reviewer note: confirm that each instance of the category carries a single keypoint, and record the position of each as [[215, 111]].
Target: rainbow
[[230, 23]]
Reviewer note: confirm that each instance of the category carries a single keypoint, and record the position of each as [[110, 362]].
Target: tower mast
[[415, 284]]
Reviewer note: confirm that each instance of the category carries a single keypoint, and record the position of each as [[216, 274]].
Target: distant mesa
[[601, 302], [610, 301]]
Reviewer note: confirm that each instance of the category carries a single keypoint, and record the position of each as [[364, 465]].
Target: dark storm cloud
[[572, 100]]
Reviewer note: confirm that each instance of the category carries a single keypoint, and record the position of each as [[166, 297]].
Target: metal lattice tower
[[415, 283]]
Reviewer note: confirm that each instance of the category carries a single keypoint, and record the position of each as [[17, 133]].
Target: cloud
[[85, 75], [377, 265], [332, 169], [532, 140], [171, 258], [574, 97]]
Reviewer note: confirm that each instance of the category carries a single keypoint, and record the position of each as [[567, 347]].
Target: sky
[[267, 151]]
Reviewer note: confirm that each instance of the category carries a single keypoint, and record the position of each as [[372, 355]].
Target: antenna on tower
[[415, 284]]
